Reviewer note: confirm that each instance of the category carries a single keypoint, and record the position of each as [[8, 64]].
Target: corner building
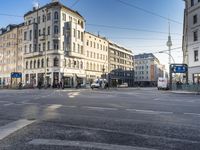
[[53, 46]]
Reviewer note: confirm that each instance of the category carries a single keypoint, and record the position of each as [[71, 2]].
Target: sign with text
[[16, 75]]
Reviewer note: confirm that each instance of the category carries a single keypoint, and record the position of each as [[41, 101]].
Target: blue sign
[[16, 75], [179, 69]]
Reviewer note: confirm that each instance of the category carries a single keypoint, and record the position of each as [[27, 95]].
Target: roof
[[10, 27], [146, 56], [53, 4], [98, 36], [120, 47]]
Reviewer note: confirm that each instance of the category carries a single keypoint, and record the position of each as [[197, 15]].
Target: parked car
[[99, 83], [163, 84], [123, 85]]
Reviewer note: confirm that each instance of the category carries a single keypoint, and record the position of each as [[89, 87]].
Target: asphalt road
[[117, 119]]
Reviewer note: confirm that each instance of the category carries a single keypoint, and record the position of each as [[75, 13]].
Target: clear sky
[[113, 13]]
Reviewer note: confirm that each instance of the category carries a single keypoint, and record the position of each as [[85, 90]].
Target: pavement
[[84, 119]]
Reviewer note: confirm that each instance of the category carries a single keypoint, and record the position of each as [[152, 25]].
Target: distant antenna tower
[[169, 44]]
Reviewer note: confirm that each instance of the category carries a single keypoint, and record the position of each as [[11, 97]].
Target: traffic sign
[[16, 75], [179, 68]]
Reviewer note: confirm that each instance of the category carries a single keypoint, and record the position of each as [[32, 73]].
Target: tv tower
[[169, 44]]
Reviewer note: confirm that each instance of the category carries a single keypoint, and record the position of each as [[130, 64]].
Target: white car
[[123, 85], [163, 84], [98, 82]]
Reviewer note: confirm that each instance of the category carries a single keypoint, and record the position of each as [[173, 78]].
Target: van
[[163, 84]]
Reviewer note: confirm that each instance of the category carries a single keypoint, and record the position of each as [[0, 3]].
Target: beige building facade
[[121, 66], [11, 53], [96, 56], [53, 46]]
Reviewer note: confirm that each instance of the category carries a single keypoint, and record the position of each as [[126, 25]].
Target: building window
[[55, 45], [48, 45], [39, 47], [44, 46], [192, 3], [25, 35], [43, 31], [64, 17], [39, 20], [56, 15], [30, 35], [196, 55], [43, 18], [42, 64], [38, 63], [48, 16], [196, 78], [34, 65], [55, 62], [27, 65], [31, 63], [195, 19], [47, 62], [55, 29], [74, 33], [195, 35], [49, 32], [74, 47]]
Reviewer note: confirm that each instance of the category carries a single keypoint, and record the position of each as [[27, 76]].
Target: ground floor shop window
[[33, 79], [196, 78]]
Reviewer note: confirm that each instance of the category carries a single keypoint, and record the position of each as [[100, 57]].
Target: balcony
[[33, 54]]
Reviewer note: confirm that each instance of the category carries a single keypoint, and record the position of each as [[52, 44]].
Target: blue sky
[[114, 13]]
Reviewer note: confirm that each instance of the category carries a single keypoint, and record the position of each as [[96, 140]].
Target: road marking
[[53, 107], [69, 106], [192, 114], [90, 145], [149, 111], [13, 127], [99, 108]]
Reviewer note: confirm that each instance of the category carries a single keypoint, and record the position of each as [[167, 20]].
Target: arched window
[[77, 64], [27, 65], [42, 64], [69, 63], [90, 66], [94, 67], [56, 15], [47, 62], [31, 63], [34, 64], [97, 67], [81, 65], [38, 63], [55, 29], [55, 62], [87, 66]]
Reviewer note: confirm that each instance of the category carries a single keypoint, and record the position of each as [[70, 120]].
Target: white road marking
[[65, 106], [99, 108], [13, 127], [53, 107], [192, 114], [81, 144], [149, 111]]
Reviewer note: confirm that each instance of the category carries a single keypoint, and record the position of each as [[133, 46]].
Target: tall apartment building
[[96, 56], [11, 54], [53, 46], [148, 69], [191, 39], [121, 66]]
